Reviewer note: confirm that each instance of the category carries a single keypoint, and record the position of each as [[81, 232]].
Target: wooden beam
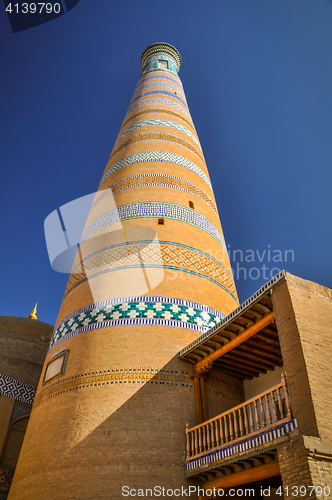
[[232, 372], [247, 476], [244, 369], [198, 401], [204, 402], [206, 364], [250, 360], [252, 349]]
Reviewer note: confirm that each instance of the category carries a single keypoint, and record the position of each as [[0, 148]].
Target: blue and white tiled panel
[[155, 210], [159, 92], [158, 84], [158, 76], [158, 122], [245, 445], [159, 156], [17, 390], [158, 101], [141, 310]]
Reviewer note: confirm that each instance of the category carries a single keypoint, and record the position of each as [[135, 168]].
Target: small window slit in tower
[[161, 221]]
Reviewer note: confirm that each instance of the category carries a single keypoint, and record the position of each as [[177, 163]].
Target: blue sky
[[257, 76]]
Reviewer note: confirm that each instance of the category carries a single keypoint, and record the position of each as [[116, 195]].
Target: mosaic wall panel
[[161, 180], [160, 156], [17, 390], [158, 100], [142, 310], [245, 445], [157, 122], [126, 378], [160, 92], [158, 77], [161, 111], [174, 256], [156, 84], [158, 136], [155, 210]]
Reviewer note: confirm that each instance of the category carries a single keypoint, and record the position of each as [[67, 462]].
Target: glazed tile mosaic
[[156, 210], [158, 100], [153, 122], [168, 181], [152, 254], [245, 445], [17, 390], [160, 111], [156, 84], [142, 310], [160, 92], [158, 77], [158, 136], [160, 156]]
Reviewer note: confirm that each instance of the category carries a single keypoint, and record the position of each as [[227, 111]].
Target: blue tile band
[[17, 390], [247, 444], [160, 156], [157, 84], [155, 122], [140, 310], [155, 210], [159, 76], [158, 100], [160, 92]]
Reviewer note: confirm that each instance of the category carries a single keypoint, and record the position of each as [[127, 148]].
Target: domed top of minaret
[[161, 48]]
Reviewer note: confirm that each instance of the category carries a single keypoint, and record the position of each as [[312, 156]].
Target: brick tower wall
[[117, 415]]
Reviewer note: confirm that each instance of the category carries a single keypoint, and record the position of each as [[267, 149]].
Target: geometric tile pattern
[[157, 136], [174, 256], [161, 111], [157, 100], [247, 444], [159, 83], [17, 390], [153, 122], [155, 210], [160, 92], [158, 77], [140, 310], [169, 181], [160, 156]]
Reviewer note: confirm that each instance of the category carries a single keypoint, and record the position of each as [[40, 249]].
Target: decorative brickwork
[[159, 76], [159, 156], [168, 181], [174, 256], [160, 111], [157, 136], [151, 122], [157, 84], [157, 100], [155, 210], [127, 378], [160, 92]]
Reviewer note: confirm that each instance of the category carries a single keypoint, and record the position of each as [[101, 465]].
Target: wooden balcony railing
[[249, 418]]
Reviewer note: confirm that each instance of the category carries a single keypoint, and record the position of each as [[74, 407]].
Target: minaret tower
[[151, 276]]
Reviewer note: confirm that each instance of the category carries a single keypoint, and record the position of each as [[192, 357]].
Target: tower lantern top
[[160, 49]]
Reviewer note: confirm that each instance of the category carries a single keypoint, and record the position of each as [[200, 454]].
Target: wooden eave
[[244, 344]]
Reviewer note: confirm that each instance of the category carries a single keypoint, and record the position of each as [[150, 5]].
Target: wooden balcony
[[239, 431]]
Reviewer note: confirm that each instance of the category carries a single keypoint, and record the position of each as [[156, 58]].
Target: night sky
[[258, 77]]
